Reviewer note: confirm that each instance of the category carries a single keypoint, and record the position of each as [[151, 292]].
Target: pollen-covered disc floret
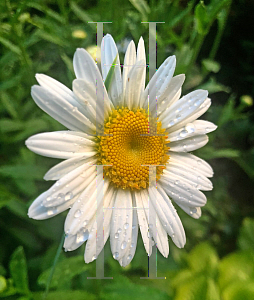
[[129, 146]]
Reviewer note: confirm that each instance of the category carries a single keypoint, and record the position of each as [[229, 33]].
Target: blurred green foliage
[[41, 37]]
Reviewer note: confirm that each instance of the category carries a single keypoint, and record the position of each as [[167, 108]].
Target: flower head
[[132, 140]]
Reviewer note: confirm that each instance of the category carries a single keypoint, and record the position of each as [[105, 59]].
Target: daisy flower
[[126, 150]]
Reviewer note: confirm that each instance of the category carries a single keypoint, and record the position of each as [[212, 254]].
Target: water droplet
[[116, 235], [134, 226], [48, 198], [68, 196], [85, 223], [77, 213], [124, 244], [199, 162], [132, 245], [116, 255], [129, 257], [126, 226], [178, 116], [94, 257], [190, 127], [183, 133], [177, 182], [119, 230]]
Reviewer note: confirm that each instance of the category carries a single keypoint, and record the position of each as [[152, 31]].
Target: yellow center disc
[[129, 149]]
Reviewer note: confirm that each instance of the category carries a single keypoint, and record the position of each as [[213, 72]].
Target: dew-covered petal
[[108, 54], [73, 242], [189, 144], [95, 242], [167, 215], [61, 110], [134, 85], [198, 127], [194, 212], [156, 230], [61, 144], [58, 89], [62, 194], [191, 176], [85, 207], [89, 94], [181, 191], [129, 62], [131, 247], [159, 82], [141, 198], [121, 225], [67, 166], [141, 56], [185, 110], [192, 162]]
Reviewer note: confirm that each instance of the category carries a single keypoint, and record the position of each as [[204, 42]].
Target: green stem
[[58, 252]]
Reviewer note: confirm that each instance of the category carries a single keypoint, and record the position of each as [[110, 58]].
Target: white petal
[[167, 215], [96, 243], [141, 56], [108, 54], [171, 94], [72, 242], [194, 212], [58, 89], [197, 127], [161, 239], [61, 144], [62, 194], [67, 166], [89, 95], [129, 62], [121, 227], [134, 84], [142, 205], [194, 163], [131, 247], [156, 230], [189, 106], [189, 144], [61, 110], [193, 177], [84, 209], [85, 67], [160, 81], [181, 191]]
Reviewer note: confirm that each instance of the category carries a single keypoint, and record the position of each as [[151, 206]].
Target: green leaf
[[10, 45], [201, 18], [128, 290], [213, 86], [18, 171], [64, 272], [3, 284], [65, 295], [236, 267], [246, 237], [199, 287], [5, 196], [18, 270], [239, 291], [142, 7], [210, 152], [8, 125], [110, 75], [211, 65], [203, 258]]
